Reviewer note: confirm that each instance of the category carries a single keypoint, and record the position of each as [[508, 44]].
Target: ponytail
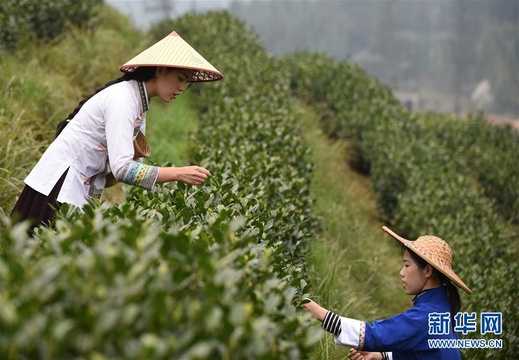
[[453, 294], [143, 73]]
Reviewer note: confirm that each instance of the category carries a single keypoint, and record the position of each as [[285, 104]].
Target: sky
[[142, 15]]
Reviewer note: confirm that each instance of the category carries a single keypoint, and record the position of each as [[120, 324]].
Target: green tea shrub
[[357, 102], [486, 151], [45, 21], [248, 130], [114, 283]]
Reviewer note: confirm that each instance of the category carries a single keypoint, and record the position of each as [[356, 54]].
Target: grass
[[168, 128], [27, 122], [354, 265]]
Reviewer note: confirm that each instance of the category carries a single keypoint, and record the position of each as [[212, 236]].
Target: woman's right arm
[[192, 175]]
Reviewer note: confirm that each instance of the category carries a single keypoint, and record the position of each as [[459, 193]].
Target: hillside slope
[[354, 265]]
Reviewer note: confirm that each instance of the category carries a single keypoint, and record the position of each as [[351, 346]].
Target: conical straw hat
[[436, 252], [173, 51]]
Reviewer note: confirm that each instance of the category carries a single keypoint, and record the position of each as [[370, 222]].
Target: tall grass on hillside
[[16, 156], [353, 264], [25, 118]]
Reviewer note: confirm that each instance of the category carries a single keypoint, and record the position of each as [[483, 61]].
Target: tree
[[165, 8]]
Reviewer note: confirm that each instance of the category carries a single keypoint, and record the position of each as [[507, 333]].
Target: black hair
[[452, 290], [142, 73]]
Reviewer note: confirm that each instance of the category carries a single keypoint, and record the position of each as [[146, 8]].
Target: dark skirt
[[36, 207]]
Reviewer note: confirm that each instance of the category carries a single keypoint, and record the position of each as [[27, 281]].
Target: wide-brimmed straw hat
[[436, 252], [173, 51]]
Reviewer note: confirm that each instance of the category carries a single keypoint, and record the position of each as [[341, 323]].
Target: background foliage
[[23, 20], [439, 50]]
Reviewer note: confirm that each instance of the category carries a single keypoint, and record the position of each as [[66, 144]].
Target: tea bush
[[477, 146], [21, 20], [133, 289]]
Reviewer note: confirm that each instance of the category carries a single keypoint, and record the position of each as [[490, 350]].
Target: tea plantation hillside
[[432, 174], [218, 271]]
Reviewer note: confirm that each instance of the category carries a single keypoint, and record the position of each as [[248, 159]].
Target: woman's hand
[[316, 310], [364, 355], [192, 175]]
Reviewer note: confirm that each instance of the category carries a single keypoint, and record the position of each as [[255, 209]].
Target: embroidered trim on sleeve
[[332, 323], [138, 174], [362, 334]]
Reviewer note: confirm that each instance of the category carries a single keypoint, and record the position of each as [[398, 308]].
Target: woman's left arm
[[347, 332], [401, 332]]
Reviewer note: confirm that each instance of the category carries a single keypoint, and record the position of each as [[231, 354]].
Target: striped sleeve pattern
[[332, 323], [138, 174]]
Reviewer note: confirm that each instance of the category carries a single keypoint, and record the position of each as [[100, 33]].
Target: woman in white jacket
[[97, 138]]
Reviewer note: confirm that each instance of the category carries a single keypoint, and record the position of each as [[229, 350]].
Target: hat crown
[[435, 248], [173, 51]]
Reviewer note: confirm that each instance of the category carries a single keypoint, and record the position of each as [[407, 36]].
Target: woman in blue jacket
[[426, 273]]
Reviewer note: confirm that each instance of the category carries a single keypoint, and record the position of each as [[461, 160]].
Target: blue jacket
[[406, 335]]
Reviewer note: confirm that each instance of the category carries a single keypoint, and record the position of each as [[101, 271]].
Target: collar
[[144, 96], [430, 295]]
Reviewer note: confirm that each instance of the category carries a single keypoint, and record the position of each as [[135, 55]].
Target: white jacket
[[99, 138]]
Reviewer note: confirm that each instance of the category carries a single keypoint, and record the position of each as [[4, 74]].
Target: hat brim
[[448, 272], [198, 76]]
